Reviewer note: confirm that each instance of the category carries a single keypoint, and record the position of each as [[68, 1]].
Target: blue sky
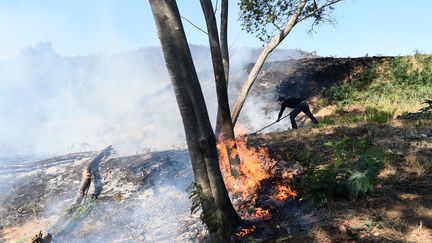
[[80, 27]]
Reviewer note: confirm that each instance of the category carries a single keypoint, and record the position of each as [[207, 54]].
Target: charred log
[[73, 216], [92, 170]]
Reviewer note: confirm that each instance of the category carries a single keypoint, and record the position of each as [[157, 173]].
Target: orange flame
[[245, 231], [255, 166], [283, 192], [262, 213]]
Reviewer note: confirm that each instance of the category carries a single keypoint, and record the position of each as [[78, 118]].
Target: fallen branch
[[41, 238], [92, 169], [79, 209]]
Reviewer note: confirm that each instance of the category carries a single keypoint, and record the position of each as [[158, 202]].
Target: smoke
[[161, 215], [157, 214], [51, 104]]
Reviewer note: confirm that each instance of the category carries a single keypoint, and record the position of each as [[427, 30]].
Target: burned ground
[[136, 189], [307, 78]]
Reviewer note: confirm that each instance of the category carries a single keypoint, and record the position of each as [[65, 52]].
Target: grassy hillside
[[381, 91]]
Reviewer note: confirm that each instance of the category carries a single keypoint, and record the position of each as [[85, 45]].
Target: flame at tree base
[[255, 166]]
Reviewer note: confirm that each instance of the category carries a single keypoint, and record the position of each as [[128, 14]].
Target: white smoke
[[51, 104]]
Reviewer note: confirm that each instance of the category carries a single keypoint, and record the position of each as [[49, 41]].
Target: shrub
[[321, 185], [340, 93], [366, 76], [363, 179], [344, 177]]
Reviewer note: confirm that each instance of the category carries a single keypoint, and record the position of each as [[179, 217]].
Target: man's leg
[[305, 109], [293, 115]]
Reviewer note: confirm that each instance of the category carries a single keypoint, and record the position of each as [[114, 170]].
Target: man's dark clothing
[[298, 106]]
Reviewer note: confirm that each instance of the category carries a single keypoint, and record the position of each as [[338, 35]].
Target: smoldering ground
[[145, 197]]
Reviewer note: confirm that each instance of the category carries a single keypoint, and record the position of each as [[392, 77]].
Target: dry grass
[[23, 233], [400, 208], [412, 165], [321, 236], [387, 172], [419, 233]]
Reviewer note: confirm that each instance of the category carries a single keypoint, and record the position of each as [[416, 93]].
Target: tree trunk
[[175, 47], [224, 114], [275, 41], [224, 37], [224, 51], [199, 134], [221, 90]]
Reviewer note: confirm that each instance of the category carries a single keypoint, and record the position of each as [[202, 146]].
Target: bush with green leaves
[[363, 179], [375, 115], [352, 173]]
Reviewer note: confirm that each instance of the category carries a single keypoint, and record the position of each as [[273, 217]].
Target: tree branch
[[329, 3]]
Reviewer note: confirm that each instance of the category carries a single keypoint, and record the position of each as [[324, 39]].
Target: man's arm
[[281, 112]]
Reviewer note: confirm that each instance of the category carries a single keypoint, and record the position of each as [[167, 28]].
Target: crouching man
[[298, 105]]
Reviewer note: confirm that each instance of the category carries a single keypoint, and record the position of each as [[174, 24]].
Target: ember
[[245, 232], [262, 213]]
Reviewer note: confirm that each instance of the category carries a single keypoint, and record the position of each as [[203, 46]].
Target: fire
[[245, 231], [283, 192], [262, 213], [255, 166]]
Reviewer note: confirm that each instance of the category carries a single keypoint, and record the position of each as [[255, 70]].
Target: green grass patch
[[325, 121], [375, 115], [387, 89], [369, 115]]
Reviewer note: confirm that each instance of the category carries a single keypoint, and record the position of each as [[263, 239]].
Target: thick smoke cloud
[[51, 104]]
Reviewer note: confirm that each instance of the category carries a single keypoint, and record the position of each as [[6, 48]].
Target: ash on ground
[[144, 198]]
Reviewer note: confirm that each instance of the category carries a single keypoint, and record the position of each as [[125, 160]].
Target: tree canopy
[[265, 18]]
